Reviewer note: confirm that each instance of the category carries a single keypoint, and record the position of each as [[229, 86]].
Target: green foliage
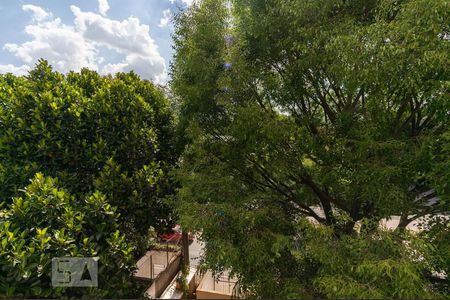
[[437, 234], [378, 266], [46, 222], [335, 111], [111, 134], [199, 63], [437, 164]]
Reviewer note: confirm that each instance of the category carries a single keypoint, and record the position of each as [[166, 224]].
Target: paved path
[[195, 250]]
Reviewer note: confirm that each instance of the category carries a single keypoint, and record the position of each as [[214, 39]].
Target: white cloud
[[145, 66], [103, 6], [124, 36], [61, 45], [74, 47], [128, 37], [22, 70], [38, 13], [165, 19], [188, 2]]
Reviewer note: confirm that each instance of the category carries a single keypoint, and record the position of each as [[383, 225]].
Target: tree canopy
[[330, 111]]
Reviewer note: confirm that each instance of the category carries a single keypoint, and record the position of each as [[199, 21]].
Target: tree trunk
[[404, 222]]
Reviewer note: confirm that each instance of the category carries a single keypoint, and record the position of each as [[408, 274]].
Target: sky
[[107, 36]]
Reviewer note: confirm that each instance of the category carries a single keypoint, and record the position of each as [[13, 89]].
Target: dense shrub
[[98, 150], [111, 134], [46, 221]]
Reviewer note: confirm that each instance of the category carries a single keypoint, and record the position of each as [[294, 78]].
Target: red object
[[175, 235]]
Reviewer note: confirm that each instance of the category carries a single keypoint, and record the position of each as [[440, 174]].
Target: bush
[[112, 134], [47, 222]]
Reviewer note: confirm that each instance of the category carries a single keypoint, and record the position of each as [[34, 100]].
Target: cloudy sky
[[104, 35]]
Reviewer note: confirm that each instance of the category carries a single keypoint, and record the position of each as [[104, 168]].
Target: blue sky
[[105, 35]]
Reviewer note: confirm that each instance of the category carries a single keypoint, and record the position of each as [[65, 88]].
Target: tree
[[46, 221], [93, 133], [332, 111]]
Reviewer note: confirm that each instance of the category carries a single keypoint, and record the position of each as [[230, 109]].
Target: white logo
[[75, 271]]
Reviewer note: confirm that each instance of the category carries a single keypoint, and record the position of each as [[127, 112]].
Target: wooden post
[[151, 267], [185, 250], [167, 254]]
